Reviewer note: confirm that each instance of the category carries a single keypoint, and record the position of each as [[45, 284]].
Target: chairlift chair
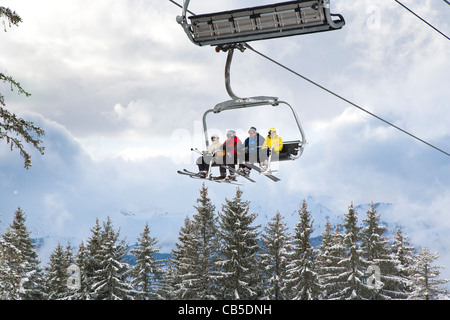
[[291, 150], [259, 23]]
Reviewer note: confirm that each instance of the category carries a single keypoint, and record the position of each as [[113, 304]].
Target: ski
[[189, 173], [240, 174], [226, 180], [194, 175], [270, 176]]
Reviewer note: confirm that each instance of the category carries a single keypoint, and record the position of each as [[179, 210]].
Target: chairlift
[[291, 150], [260, 22]]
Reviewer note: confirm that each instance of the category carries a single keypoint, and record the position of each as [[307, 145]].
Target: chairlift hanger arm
[[228, 67]]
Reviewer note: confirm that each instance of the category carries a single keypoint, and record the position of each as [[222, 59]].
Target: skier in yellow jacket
[[273, 140]]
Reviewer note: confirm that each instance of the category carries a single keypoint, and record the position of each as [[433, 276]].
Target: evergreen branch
[[14, 129], [13, 84], [10, 17]]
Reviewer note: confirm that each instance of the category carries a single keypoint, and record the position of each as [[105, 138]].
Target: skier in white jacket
[[205, 159]]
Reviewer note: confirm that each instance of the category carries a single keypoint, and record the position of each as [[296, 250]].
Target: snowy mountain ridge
[[165, 226]]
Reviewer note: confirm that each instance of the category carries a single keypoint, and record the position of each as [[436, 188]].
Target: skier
[[232, 149], [272, 142], [252, 149], [204, 161]]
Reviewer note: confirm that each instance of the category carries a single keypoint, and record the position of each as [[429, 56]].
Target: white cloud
[[136, 114], [56, 215]]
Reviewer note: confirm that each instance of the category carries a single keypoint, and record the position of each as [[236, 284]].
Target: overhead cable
[[436, 29], [340, 97], [346, 100], [180, 6]]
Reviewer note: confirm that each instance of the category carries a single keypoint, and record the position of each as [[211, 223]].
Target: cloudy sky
[[120, 92]]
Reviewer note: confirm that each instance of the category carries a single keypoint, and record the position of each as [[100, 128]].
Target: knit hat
[[252, 129], [231, 131]]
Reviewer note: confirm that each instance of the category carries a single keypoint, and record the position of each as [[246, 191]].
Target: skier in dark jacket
[[252, 147]]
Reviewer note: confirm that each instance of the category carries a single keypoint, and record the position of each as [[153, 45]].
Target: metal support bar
[[303, 141], [205, 127], [230, 50], [228, 76]]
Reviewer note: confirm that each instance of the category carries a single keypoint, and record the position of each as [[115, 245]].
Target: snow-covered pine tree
[[352, 264], [4, 270], [81, 260], [331, 253], [146, 273], [22, 261], [403, 253], [69, 253], [92, 264], [9, 276], [377, 255], [168, 284], [239, 260], [5, 289], [424, 277], [194, 261], [275, 250], [109, 282], [185, 261], [302, 277], [205, 225], [55, 278]]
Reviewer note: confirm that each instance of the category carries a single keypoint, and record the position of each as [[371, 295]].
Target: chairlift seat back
[[290, 149]]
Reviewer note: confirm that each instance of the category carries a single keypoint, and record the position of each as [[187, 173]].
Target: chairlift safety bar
[[254, 102]]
